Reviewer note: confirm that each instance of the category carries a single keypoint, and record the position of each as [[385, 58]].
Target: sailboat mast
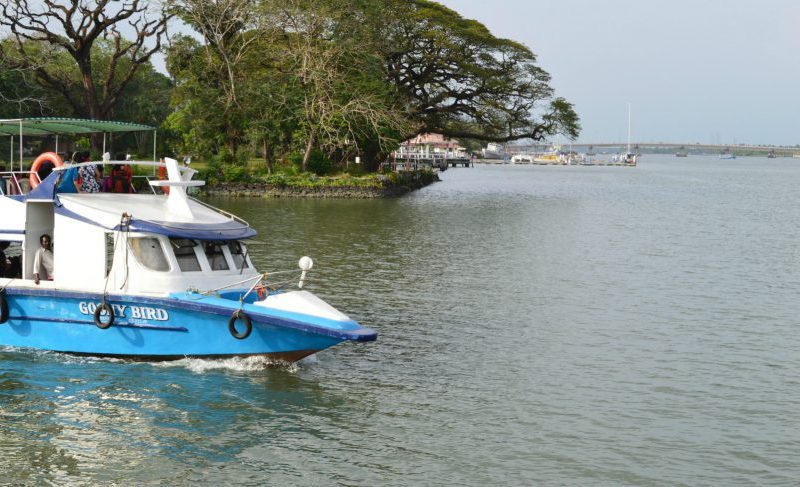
[[629, 128]]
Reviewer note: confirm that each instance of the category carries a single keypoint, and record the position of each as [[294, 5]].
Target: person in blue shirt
[[68, 183]]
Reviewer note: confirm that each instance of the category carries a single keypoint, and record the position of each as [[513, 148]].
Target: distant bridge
[[777, 149]]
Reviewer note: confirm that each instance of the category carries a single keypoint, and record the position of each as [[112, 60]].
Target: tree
[[351, 77], [230, 29], [300, 66], [18, 97], [461, 81], [344, 100], [46, 29]]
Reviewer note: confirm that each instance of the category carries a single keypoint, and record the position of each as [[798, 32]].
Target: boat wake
[[238, 364], [196, 365]]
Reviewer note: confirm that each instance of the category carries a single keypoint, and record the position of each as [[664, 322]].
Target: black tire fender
[[248, 326], [98, 320]]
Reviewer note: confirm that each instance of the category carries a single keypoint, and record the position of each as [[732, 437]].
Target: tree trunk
[[369, 159], [268, 156], [232, 136], [307, 155], [90, 95]]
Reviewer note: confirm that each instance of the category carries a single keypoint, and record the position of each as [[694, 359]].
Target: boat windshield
[[238, 254], [185, 254], [215, 256], [209, 255]]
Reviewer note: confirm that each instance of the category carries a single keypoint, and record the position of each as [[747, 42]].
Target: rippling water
[[538, 325]]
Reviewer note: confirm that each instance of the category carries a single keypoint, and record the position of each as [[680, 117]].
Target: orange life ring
[[47, 156]]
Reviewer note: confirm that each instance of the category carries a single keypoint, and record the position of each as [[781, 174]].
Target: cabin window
[[216, 258], [238, 253], [185, 254], [13, 267], [149, 253]]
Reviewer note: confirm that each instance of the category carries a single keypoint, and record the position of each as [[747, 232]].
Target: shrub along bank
[[307, 185]]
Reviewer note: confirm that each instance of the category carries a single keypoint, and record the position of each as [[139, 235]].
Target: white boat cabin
[[141, 244]]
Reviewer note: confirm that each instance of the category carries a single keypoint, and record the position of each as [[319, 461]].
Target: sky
[[693, 71]]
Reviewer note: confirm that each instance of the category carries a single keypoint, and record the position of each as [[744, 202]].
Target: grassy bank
[[310, 185]]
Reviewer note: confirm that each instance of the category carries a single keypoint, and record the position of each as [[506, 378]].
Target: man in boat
[[43, 260]]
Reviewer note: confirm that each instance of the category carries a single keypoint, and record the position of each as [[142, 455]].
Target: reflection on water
[[557, 325]]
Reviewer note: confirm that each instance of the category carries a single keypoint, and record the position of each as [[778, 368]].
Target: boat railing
[[15, 182], [146, 180], [18, 183], [264, 284], [220, 211], [136, 177]]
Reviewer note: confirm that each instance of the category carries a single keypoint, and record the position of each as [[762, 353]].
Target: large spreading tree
[[360, 71], [459, 80], [57, 40]]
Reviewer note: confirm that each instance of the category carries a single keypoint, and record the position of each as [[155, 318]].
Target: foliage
[[314, 83], [235, 174], [312, 181], [59, 40], [461, 81], [409, 178]]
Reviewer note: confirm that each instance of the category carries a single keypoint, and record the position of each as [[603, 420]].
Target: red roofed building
[[432, 143]]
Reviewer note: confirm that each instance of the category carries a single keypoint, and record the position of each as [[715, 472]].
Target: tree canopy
[[290, 80], [461, 81]]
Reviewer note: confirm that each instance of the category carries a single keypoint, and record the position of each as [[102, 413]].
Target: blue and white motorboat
[[150, 277]]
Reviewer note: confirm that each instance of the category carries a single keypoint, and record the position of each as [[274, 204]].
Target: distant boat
[[522, 159], [550, 157], [682, 152], [494, 151], [727, 154], [591, 151], [771, 155], [629, 158]]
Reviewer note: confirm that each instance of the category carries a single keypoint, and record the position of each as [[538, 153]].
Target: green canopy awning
[[66, 126]]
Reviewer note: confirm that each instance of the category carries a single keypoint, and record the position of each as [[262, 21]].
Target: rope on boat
[[124, 228], [212, 291]]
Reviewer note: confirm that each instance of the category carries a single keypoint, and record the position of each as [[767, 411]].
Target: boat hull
[[175, 327]]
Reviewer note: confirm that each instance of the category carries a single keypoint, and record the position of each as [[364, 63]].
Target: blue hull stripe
[[121, 324]]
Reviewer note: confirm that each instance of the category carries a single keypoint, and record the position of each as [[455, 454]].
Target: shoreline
[[387, 187]]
